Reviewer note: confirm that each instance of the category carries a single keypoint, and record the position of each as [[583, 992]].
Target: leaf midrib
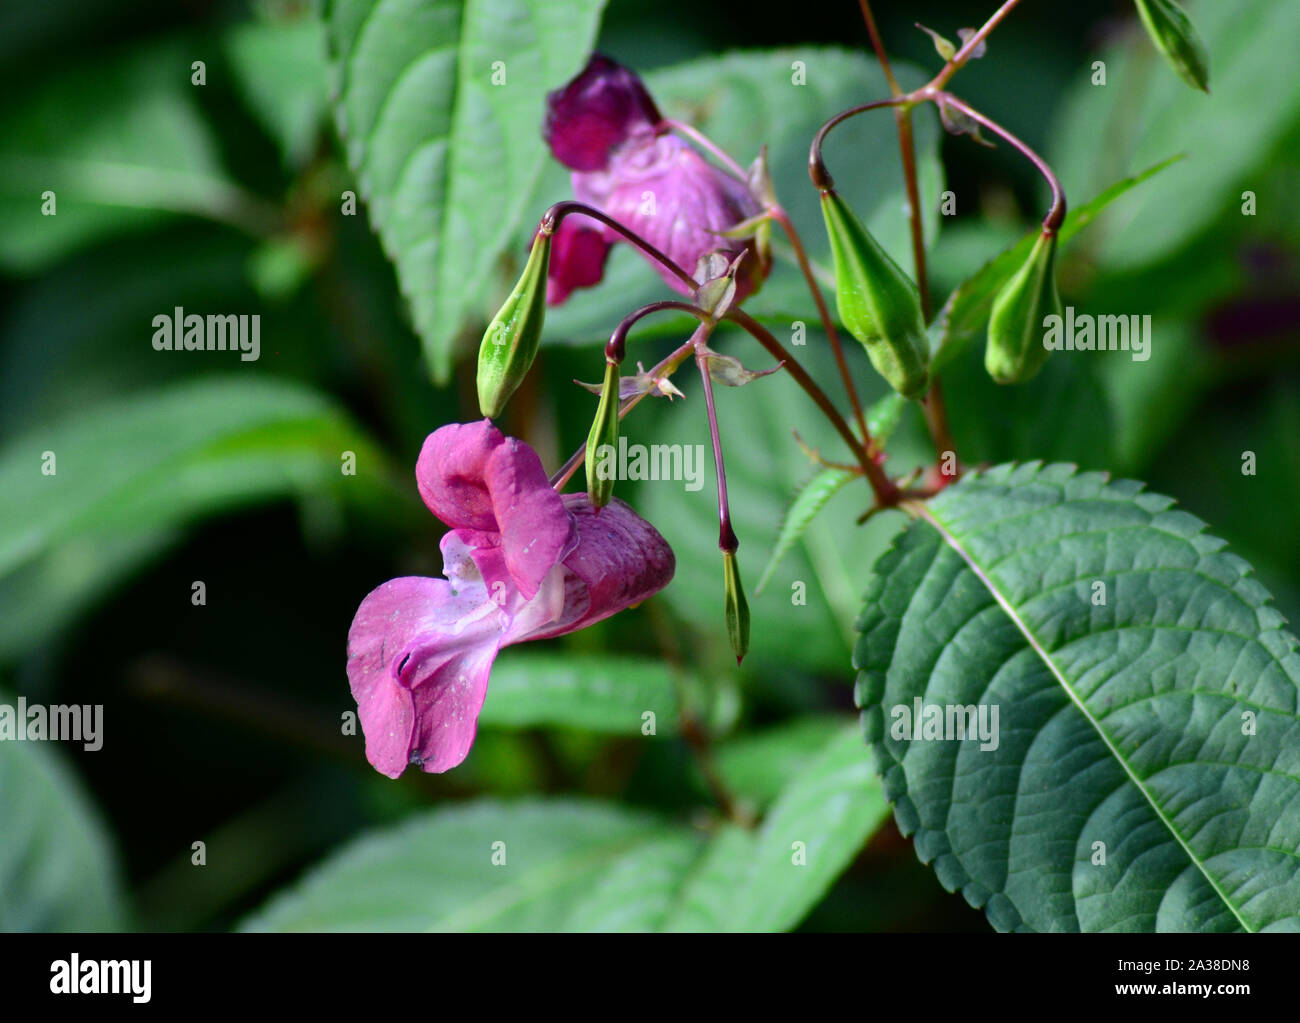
[[928, 515]]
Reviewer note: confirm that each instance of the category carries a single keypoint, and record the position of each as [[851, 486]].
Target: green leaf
[[445, 158], [768, 880], [597, 692], [758, 765], [883, 417], [57, 871], [141, 149], [966, 312], [1066, 416], [742, 100], [280, 70], [436, 871], [576, 865], [1176, 38], [138, 467], [811, 499], [1143, 114], [1145, 772]]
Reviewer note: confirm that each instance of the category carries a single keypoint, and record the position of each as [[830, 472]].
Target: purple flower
[[521, 562], [605, 127]]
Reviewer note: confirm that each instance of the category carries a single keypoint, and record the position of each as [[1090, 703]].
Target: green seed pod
[[877, 301], [737, 607], [602, 441], [510, 342], [1015, 349], [1176, 38]]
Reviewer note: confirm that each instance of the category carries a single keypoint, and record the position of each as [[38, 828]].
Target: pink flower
[[521, 562], [605, 127]]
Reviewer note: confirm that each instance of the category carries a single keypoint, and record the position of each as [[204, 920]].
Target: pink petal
[[473, 477], [620, 560], [578, 257], [679, 202], [471, 559], [419, 655], [449, 474]]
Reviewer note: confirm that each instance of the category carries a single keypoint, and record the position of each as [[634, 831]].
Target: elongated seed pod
[[736, 606], [1015, 349], [510, 342], [877, 301], [602, 441]]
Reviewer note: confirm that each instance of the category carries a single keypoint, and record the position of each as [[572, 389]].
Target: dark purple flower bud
[[596, 112], [604, 126]]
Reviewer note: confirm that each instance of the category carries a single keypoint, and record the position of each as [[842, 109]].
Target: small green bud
[[1176, 38], [877, 301], [943, 47], [1015, 349], [510, 342], [737, 607], [602, 441]]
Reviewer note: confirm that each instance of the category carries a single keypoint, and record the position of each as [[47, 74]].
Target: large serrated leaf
[[440, 104], [1145, 771]]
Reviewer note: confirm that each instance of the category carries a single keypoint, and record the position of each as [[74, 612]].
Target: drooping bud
[[737, 607], [510, 342], [1176, 38], [877, 301], [1015, 349], [602, 441]]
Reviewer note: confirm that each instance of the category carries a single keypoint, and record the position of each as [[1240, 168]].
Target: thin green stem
[[560, 478], [969, 46], [727, 542], [879, 46], [551, 221], [828, 323], [1056, 213], [779, 214], [883, 487]]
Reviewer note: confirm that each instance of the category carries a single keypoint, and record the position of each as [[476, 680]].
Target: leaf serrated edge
[[868, 688]]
